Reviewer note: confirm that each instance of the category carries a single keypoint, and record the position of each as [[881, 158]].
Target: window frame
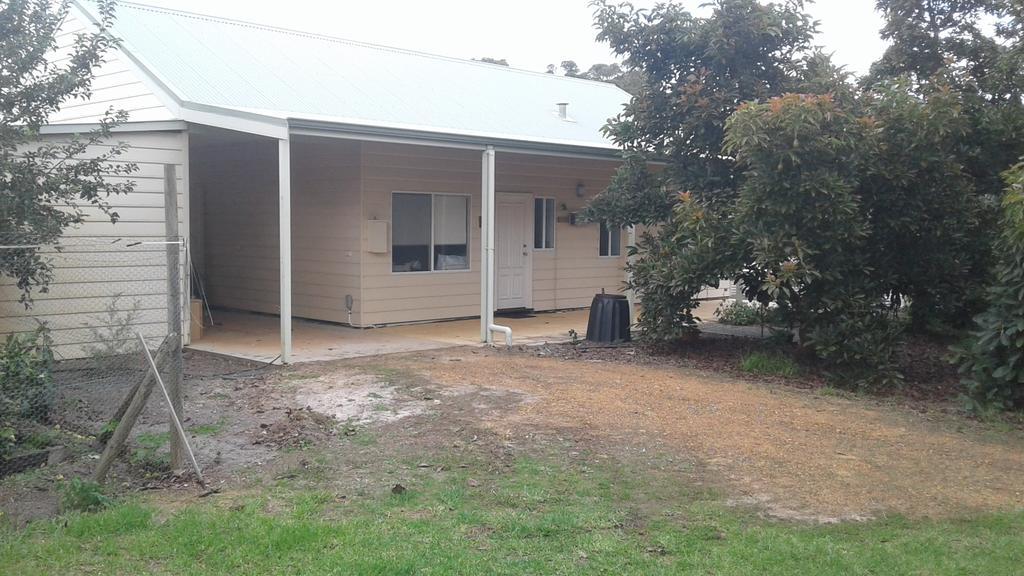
[[554, 223], [469, 233], [608, 231]]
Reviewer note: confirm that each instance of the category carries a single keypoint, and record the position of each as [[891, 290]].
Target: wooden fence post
[[138, 396], [174, 303]]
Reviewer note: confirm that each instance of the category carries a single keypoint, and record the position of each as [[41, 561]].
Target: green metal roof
[[283, 74]]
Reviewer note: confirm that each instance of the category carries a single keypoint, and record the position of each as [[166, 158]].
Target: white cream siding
[[566, 277], [569, 275], [116, 85], [235, 206], [236, 216], [80, 301], [389, 297], [338, 186], [326, 228], [95, 289]]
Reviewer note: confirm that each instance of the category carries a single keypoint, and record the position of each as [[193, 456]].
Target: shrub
[[116, 336], [765, 364], [83, 496], [746, 313], [670, 265], [8, 439], [856, 342], [737, 313], [26, 383], [992, 361]]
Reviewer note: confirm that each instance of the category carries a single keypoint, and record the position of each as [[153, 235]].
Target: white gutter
[[466, 141], [487, 325], [145, 126]]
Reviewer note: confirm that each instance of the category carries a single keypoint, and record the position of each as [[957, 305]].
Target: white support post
[[285, 225], [485, 255]]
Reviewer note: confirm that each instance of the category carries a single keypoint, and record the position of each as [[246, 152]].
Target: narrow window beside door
[[429, 232], [543, 223], [611, 240]]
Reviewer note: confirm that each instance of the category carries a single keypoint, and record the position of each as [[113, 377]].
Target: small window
[[611, 240], [543, 223], [430, 232]]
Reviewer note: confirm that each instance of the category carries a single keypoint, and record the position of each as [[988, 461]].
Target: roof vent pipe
[[563, 110]]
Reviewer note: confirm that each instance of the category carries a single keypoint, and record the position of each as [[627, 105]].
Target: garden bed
[[928, 375]]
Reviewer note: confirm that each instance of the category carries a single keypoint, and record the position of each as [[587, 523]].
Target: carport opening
[[234, 247]]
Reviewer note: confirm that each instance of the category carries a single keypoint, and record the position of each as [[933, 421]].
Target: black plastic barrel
[[609, 319]]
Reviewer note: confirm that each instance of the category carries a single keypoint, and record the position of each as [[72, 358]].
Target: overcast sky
[[530, 34]]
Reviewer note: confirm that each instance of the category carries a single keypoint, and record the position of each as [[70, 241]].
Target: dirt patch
[[223, 403], [359, 427], [360, 399], [797, 453], [396, 427], [297, 429], [250, 423]]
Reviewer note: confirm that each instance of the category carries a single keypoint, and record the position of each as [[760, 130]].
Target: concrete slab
[[537, 328], [255, 336]]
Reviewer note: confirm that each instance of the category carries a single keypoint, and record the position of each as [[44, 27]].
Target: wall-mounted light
[[581, 190]]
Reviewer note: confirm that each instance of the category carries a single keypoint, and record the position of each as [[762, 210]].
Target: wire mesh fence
[[71, 358]]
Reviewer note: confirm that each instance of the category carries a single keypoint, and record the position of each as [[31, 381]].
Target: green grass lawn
[[540, 517]]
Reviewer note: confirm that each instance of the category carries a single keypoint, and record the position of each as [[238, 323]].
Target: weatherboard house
[[345, 182]]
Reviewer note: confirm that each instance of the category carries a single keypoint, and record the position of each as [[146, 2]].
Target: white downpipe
[[487, 325], [630, 293]]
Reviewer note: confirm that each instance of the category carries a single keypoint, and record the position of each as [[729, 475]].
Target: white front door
[[513, 258]]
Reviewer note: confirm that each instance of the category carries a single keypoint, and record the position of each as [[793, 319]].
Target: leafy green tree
[[949, 38], [992, 361], [836, 203], [671, 264], [696, 72], [1010, 31], [693, 73], [45, 185], [952, 43], [804, 226], [927, 241], [495, 61], [799, 210], [570, 68], [929, 36], [628, 80]]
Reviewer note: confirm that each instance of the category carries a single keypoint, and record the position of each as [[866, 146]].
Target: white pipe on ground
[[487, 325], [504, 330]]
